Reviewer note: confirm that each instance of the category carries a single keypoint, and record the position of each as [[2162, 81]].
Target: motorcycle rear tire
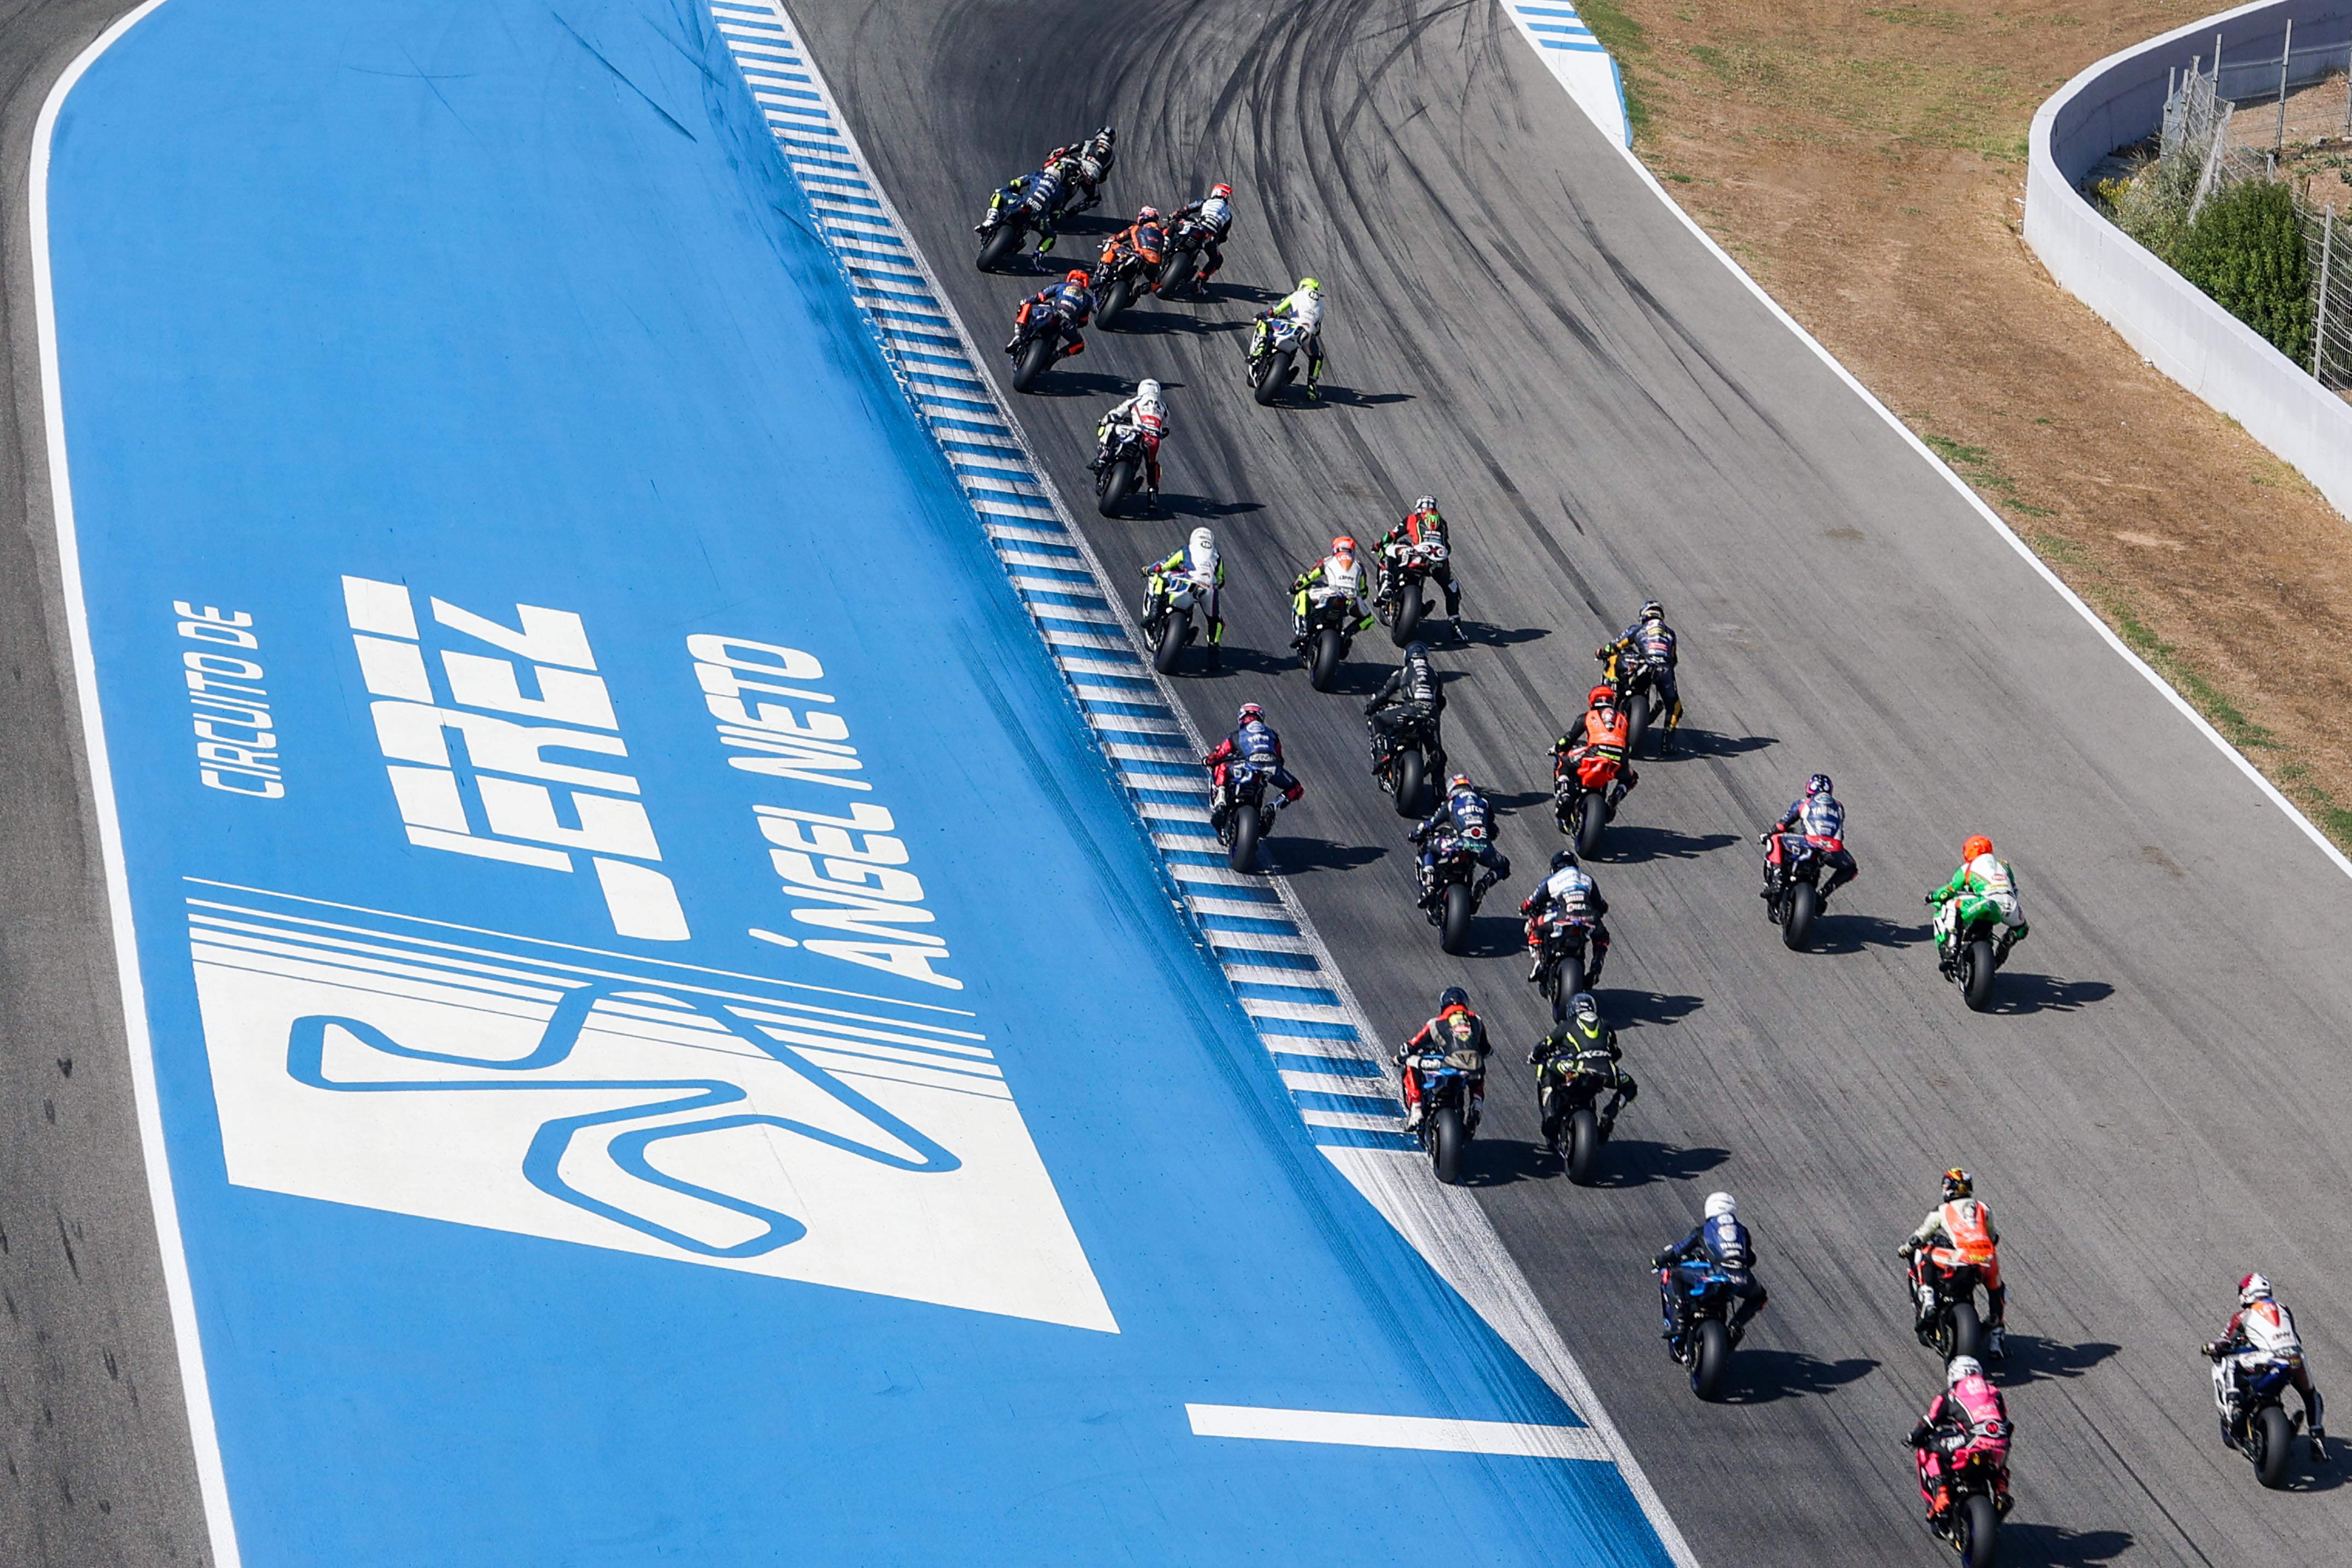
[[1976, 975], [1326, 650], [1114, 301], [1710, 1359], [1000, 247], [1412, 774], [1277, 375], [1567, 981], [1178, 274], [1248, 824], [1175, 631], [1637, 722], [1407, 618], [1447, 1139], [1591, 818], [1454, 935], [1583, 1146], [2273, 1443], [1964, 1330], [1979, 1531], [1041, 352], [1802, 903], [1118, 484]]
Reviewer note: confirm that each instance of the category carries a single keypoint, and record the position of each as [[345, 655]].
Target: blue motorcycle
[[1696, 1299], [1447, 1112]]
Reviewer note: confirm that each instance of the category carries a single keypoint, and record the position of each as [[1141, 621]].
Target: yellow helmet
[[1307, 285]]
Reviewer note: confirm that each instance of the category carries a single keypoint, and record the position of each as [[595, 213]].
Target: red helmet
[[1221, 189], [1601, 696], [1075, 275]]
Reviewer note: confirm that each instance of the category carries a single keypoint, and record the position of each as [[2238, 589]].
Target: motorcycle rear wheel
[[2273, 1442], [1040, 354], [1454, 935], [1637, 722], [1566, 980], [1117, 483], [1412, 773], [1247, 825], [1326, 650], [1710, 1358], [1178, 274], [1963, 1331], [1583, 1146], [1276, 377], [1175, 631], [1114, 301], [1592, 818], [1976, 975], [1406, 620], [1000, 247], [1446, 1141], [1801, 903], [1979, 1531]]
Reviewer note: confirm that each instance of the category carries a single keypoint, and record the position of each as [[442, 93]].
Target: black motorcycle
[[1125, 464], [1330, 632], [1955, 1324], [1123, 275], [1567, 1089], [1701, 1297], [1449, 1112], [1635, 675], [1004, 230], [1415, 758], [1037, 343], [1243, 812], [1450, 893], [1402, 600], [1792, 862], [1187, 238], [1561, 973]]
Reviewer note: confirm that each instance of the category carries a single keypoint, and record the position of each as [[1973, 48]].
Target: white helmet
[[1962, 1367], [2251, 1289], [1148, 390], [1203, 542], [1720, 1205]]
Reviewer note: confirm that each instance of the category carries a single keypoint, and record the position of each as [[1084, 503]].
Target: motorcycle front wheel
[[1406, 620], [1175, 631], [1454, 935], [1117, 483], [1710, 1359], [1980, 1533], [1583, 1146], [1445, 1145], [1804, 903], [1034, 360], [1976, 975], [1327, 649]]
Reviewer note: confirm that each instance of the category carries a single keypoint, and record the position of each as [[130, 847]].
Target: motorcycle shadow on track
[[1205, 507], [2034, 1359], [1493, 636], [1496, 937], [1237, 661], [1639, 1162], [1689, 742], [1760, 1375], [1294, 856], [2025, 1544], [1625, 1008], [2016, 994], [1634, 844], [1060, 382], [1169, 317], [1841, 931]]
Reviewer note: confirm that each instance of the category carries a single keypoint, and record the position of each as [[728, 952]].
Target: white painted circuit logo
[[507, 737]]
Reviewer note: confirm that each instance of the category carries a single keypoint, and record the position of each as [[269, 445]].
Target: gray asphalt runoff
[[93, 1424], [2157, 1102]]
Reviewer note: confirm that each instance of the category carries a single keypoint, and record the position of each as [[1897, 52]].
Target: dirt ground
[[1867, 164]]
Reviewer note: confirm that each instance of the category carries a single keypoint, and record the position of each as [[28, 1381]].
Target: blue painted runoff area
[[673, 1045]]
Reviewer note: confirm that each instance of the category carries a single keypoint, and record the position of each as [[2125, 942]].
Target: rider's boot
[[2318, 1446], [1997, 1343]]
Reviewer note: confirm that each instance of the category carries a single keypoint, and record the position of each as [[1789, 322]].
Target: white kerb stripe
[[1510, 1439]]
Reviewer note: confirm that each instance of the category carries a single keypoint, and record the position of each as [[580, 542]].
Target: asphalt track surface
[[1517, 324], [98, 1466]]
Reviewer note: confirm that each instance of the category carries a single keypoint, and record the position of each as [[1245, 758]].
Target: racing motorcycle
[[1274, 359], [1085, 185], [1243, 811], [1401, 600], [1565, 1091], [1635, 675], [1565, 939], [1126, 462], [1968, 952], [1331, 632], [1449, 1110], [1003, 229], [1037, 343], [1970, 1524], [2253, 1421], [1579, 800], [1955, 1327], [1168, 617], [1124, 274], [1415, 761], [1794, 863], [1701, 1339], [1450, 893], [1187, 237]]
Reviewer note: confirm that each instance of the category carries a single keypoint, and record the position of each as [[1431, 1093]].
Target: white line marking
[[212, 1478], [1513, 1439]]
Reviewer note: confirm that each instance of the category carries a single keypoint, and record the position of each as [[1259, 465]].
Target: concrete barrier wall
[[2171, 322]]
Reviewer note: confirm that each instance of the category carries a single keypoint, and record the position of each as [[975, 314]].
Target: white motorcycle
[[1274, 357], [1402, 601], [1176, 599]]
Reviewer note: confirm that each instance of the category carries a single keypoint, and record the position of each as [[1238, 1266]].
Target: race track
[[1517, 324]]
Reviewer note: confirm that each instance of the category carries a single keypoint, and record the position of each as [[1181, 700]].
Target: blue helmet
[[1819, 784], [1453, 997], [1416, 650], [1563, 859], [1583, 1005]]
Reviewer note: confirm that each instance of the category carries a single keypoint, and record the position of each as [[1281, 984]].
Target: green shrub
[[2245, 249]]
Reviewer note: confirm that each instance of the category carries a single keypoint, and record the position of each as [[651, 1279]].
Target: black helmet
[[1819, 784], [1416, 650], [1583, 1005], [1654, 611], [1453, 997], [1562, 860]]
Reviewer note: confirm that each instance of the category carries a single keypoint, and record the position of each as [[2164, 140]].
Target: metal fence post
[[2286, 54], [2348, 92], [2326, 259]]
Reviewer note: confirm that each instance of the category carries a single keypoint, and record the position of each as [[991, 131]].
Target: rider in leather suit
[[1252, 740], [1818, 815], [1568, 888], [1719, 1243], [1461, 1034], [1463, 816], [1411, 691]]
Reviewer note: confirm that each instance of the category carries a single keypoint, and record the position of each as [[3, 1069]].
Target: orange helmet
[[1601, 697], [1075, 275], [1343, 545], [1977, 845]]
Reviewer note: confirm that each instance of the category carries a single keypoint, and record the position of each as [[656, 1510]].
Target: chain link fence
[[2284, 117]]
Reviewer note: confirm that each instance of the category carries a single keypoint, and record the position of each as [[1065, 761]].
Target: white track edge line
[[1992, 519], [1477, 1255], [212, 1478]]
